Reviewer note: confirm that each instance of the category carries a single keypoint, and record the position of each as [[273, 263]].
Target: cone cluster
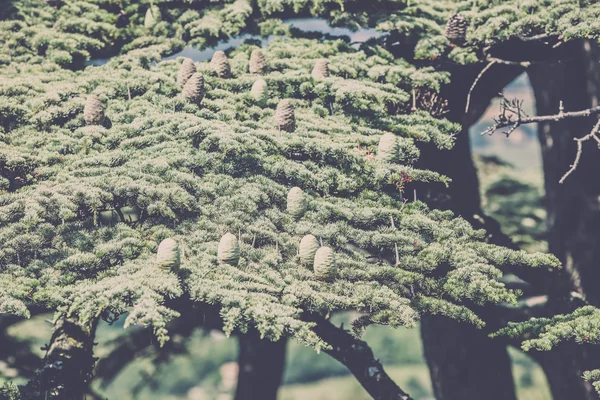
[[321, 69], [285, 118], [186, 70], [258, 65], [220, 65], [93, 111], [456, 29], [193, 90]]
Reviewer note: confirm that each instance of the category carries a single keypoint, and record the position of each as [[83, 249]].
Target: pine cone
[[324, 264], [456, 29], [220, 64], [193, 90], [297, 203], [186, 70], [388, 149], [308, 248], [285, 119], [228, 251], [258, 64], [321, 69], [93, 112], [153, 17], [168, 256], [260, 91]]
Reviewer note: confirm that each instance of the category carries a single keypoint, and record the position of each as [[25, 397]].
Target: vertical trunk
[[465, 364], [68, 364], [573, 207], [261, 364]]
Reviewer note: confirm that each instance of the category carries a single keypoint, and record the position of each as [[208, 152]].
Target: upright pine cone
[[193, 90], [228, 251], [168, 256], [321, 69], [220, 64], [388, 149], [153, 17], [285, 118], [297, 202], [186, 70], [258, 64], [260, 91], [324, 264], [93, 112], [456, 29], [308, 247]]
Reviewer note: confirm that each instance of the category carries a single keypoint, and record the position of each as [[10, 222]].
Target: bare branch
[[504, 121], [591, 135], [483, 71]]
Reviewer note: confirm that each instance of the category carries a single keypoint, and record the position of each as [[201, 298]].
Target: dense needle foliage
[[84, 207]]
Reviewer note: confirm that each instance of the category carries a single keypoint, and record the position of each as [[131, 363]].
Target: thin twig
[[483, 71], [504, 122], [591, 135]]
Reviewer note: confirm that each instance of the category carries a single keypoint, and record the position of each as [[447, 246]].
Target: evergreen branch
[[358, 357]]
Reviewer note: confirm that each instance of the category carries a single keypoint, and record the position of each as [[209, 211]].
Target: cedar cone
[[220, 64], [321, 69], [186, 70], [193, 90], [285, 119], [258, 65], [93, 112], [456, 29]]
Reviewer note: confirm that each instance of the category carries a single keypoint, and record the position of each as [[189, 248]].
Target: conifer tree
[[196, 173]]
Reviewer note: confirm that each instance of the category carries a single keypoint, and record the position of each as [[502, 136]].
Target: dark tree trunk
[[67, 367], [358, 357], [261, 364], [464, 363], [573, 207]]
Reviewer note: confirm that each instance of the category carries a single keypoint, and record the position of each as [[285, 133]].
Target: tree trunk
[[68, 364], [573, 207], [261, 364], [464, 363], [358, 357]]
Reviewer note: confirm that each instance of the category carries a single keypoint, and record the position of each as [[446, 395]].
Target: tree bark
[[573, 207], [261, 364], [68, 365], [358, 357], [464, 363]]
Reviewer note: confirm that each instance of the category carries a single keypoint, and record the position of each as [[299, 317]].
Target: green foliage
[[195, 173]]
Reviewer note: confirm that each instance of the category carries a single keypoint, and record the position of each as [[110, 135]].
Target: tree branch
[[358, 357], [591, 135], [68, 364], [504, 121], [511, 115]]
